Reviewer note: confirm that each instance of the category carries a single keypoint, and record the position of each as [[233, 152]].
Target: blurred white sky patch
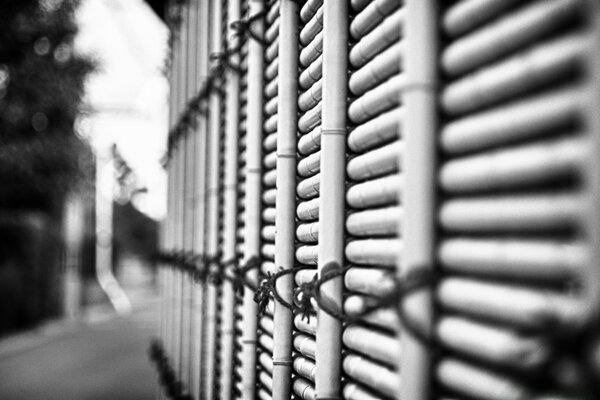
[[129, 93]]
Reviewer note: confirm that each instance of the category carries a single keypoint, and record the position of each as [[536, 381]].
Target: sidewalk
[[104, 357]]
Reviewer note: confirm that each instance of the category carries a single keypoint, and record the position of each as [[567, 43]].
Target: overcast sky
[[129, 93]]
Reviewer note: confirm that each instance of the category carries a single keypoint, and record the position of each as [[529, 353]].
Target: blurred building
[[45, 168], [51, 178]]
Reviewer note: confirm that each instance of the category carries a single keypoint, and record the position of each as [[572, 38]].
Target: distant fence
[[435, 164]]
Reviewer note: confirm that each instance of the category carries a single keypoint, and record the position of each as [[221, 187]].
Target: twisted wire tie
[[244, 26]]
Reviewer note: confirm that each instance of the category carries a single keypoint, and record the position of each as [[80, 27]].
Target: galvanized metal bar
[[311, 119], [331, 229], [230, 209], [375, 192], [523, 72], [381, 67], [312, 73], [376, 100], [375, 222], [513, 213], [512, 304], [170, 218], [312, 27], [166, 223], [590, 310], [380, 252], [468, 14], [510, 32], [309, 9], [180, 352], [286, 193], [383, 160], [212, 212], [187, 215], [419, 168], [494, 344], [312, 51], [379, 346], [479, 382], [304, 389], [517, 167], [199, 245], [252, 199], [371, 16], [515, 121], [544, 260], [177, 202], [372, 374], [368, 280], [387, 33]]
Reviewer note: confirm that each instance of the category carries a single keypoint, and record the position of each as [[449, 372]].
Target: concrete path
[[103, 360]]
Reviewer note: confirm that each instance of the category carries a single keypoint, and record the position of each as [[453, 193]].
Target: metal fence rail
[[382, 199]]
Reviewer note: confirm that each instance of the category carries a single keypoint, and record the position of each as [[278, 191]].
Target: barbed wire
[[197, 266], [569, 347], [214, 81], [173, 387], [305, 293]]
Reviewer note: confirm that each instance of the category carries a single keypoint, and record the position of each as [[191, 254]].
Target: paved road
[[102, 360]]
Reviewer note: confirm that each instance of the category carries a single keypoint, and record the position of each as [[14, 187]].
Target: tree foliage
[[41, 89]]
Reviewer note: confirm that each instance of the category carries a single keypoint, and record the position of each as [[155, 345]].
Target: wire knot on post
[[269, 286], [244, 27], [213, 276], [224, 62], [222, 269], [302, 298], [240, 280], [214, 82], [261, 296], [199, 270], [329, 271]]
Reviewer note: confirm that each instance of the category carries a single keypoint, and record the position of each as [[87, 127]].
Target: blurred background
[[83, 116]]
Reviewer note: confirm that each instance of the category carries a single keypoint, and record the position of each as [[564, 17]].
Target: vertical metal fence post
[[179, 194], [184, 218], [165, 317], [188, 194], [197, 349], [286, 194], [213, 206], [252, 198], [590, 310], [173, 170], [232, 107], [333, 172], [162, 282], [419, 163], [165, 273]]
